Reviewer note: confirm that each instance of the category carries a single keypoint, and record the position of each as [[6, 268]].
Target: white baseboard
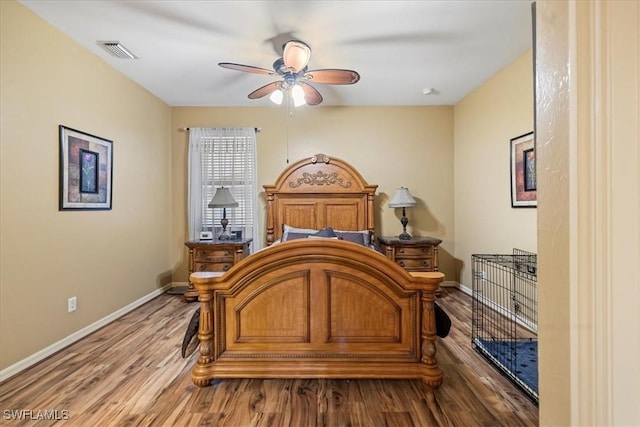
[[499, 309], [449, 284], [175, 284], [467, 290], [23, 364]]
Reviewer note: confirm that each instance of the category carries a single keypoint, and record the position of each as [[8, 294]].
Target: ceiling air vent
[[117, 50]]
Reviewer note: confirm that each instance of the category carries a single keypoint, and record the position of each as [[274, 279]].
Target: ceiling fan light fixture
[[297, 93], [276, 97], [295, 55], [294, 76]]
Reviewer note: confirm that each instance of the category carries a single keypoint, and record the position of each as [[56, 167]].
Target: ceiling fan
[[292, 68]]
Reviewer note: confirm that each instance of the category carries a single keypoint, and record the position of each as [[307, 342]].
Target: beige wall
[[390, 146], [108, 259], [553, 222], [485, 121], [588, 62]]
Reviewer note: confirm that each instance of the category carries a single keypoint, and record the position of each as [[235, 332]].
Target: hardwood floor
[[131, 373]]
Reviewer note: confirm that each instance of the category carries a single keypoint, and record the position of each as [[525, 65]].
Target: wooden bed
[[317, 307]]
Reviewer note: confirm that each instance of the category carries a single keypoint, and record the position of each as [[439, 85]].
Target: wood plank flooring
[[131, 373]]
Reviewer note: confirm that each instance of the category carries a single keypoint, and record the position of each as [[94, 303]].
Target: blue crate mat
[[519, 359]]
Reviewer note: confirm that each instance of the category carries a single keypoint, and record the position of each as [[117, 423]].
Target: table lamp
[[223, 199], [403, 199]]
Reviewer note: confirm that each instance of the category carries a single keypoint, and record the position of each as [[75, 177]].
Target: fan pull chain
[[289, 113]]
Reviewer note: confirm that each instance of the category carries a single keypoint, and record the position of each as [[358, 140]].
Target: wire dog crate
[[505, 315]]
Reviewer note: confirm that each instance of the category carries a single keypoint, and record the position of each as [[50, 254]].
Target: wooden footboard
[[317, 308]]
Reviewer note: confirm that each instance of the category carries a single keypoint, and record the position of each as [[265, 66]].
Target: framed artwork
[[523, 171], [86, 168]]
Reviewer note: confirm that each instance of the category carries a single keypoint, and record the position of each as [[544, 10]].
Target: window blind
[[223, 157], [227, 162]]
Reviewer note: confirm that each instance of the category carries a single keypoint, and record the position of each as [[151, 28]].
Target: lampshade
[[223, 199], [297, 93], [276, 96], [402, 199]]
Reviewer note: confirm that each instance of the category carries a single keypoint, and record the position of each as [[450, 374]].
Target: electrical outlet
[[72, 303]]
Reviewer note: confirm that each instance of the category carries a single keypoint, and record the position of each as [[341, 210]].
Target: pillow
[[362, 237], [286, 228], [366, 236], [292, 233], [354, 237], [325, 232], [293, 236]]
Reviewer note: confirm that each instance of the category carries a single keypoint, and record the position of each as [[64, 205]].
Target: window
[[223, 157]]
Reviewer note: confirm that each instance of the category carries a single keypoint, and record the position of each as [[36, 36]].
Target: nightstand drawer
[[212, 266], [417, 251], [215, 256], [415, 263], [417, 254], [209, 255]]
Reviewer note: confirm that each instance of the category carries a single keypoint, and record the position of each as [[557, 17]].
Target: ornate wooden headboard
[[318, 192]]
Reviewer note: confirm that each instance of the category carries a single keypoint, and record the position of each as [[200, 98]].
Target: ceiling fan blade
[[311, 94], [245, 68], [296, 55], [333, 76], [265, 90]]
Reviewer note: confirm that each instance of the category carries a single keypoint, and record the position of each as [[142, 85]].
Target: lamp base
[[224, 222], [404, 221], [404, 236]]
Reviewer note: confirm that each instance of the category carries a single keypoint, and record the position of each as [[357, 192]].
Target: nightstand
[[213, 255], [417, 254]]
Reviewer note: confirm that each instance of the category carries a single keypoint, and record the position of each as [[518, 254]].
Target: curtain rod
[[187, 129]]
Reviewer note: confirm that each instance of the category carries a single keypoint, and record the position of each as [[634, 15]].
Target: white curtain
[[223, 157]]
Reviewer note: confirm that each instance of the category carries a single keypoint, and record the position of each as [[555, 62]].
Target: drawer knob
[[425, 249], [401, 263], [425, 263], [226, 267]]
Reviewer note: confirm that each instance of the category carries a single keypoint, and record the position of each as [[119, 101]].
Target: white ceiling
[[398, 47]]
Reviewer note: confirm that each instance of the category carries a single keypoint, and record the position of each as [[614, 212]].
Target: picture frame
[[523, 171], [86, 170]]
